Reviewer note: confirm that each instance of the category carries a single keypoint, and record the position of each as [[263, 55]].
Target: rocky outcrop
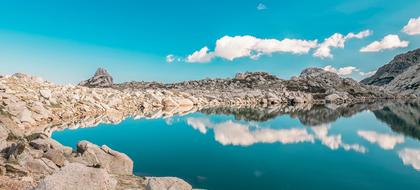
[[328, 87], [101, 79], [390, 71], [407, 83], [39, 162]]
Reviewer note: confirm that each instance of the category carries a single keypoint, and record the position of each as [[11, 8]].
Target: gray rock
[[166, 183], [75, 176]]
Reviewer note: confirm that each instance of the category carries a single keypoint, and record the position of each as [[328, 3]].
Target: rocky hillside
[[390, 71], [313, 85], [407, 82], [328, 86]]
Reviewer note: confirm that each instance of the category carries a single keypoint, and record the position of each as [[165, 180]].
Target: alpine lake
[[360, 146]]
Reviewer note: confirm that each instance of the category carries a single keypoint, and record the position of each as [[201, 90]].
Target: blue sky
[[65, 41]]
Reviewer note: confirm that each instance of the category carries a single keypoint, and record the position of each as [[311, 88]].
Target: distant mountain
[[390, 71], [407, 82]]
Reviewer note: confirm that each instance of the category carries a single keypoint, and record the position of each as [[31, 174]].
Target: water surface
[[354, 147]]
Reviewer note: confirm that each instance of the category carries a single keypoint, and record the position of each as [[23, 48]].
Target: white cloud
[[170, 58], [410, 156], [261, 6], [385, 141], [388, 42], [412, 27], [367, 74], [337, 40], [360, 35], [201, 56], [231, 48], [341, 71]]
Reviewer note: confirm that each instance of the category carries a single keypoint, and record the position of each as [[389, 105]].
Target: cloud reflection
[[233, 133], [385, 141], [334, 141], [410, 156]]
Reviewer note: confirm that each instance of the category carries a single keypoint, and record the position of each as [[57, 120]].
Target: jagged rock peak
[[398, 65], [101, 79]]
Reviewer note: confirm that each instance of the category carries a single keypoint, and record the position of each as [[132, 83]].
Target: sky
[[168, 41]]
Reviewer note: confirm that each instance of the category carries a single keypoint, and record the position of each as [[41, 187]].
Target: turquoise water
[[377, 149]]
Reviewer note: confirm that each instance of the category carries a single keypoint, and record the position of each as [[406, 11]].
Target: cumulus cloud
[[341, 71], [261, 7], [349, 70], [201, 56], [410, 156], [231, 48], [337, 40], [385, 141], [390, 41], [412, 27]]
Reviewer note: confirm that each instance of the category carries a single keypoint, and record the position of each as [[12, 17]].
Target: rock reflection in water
[[401, 117]]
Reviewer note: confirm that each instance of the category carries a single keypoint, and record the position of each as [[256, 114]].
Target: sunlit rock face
[[410, 156], [385, 141]]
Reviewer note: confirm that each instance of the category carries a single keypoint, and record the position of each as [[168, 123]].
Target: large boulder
[[78, 176], [166, 183], [104, 157], [101, 79], [390, 71]]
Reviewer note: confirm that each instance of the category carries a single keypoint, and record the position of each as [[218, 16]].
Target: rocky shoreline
[[31, 109]]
